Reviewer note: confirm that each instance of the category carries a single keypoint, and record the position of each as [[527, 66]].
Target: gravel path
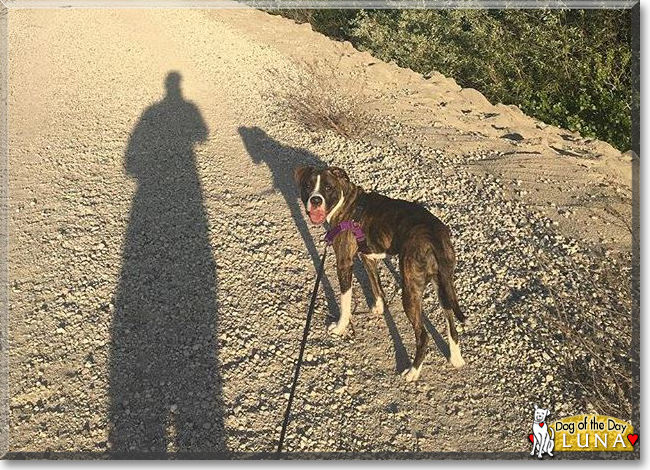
[[161, 266]]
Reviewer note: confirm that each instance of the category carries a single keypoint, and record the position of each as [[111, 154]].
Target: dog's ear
[[300, 173], [548, 413], [535, 406], [339, 173]]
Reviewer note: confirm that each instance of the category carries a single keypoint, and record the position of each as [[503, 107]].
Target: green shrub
[[332, 23], [571, 68]]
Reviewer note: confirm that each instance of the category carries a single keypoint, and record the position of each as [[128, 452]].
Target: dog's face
[[541, 414], [322, 191]]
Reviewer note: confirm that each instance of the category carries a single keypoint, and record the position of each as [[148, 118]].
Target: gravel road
[[161, 265]]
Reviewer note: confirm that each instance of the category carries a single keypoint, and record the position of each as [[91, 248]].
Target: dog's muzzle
[[316, 209]]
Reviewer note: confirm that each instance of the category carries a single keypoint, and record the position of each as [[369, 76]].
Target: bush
[[570, 68], [316, 95], [333, 23]]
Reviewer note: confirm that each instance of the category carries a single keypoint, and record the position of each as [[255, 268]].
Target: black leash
[[302, 349]]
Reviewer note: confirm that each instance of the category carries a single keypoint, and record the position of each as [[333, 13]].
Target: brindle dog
[[392, 227]]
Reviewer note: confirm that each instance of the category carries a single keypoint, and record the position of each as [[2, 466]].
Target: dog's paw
[[335, 329], [412, 374], [378, 308], [456, 360]]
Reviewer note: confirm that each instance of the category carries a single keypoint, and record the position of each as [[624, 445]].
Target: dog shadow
[[281, 160], [402, 361]]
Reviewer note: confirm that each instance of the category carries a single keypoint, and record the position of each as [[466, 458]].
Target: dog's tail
[[447, 294], [446, 291]]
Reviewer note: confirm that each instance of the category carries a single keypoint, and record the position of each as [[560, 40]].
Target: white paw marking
[[412, 374], [335, 329], [457, 361], [454, 351], [346, 308], [454, 354]]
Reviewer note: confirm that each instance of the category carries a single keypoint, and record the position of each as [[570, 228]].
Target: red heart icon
[[632, 438], [541, 425], [532, 439]]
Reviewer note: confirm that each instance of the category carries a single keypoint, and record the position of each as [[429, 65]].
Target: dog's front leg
[[542, 445], [532, 452], [344, 263]]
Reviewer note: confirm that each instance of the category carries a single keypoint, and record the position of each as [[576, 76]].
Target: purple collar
[[356, 230]]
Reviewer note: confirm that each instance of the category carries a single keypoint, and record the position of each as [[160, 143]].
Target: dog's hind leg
[[375, 284], [455, 357], [449, 304], [413, 282], [551, 443]]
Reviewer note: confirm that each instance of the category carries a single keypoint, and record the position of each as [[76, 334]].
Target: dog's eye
[[328, 187]]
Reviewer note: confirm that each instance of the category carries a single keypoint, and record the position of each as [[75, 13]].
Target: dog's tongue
[[317, 216]]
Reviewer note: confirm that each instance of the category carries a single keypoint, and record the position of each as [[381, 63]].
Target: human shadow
[[165, 384]]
